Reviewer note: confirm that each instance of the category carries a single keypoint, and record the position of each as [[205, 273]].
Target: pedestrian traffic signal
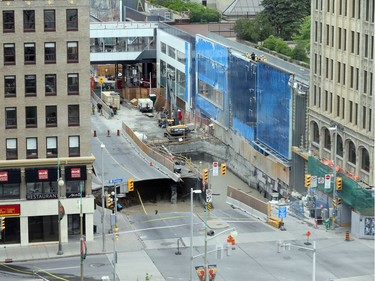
[[2, 223], [205, 175], [110, 202], [223, 169], [116, 231], [338, 183], [130, 185], [307, 180]]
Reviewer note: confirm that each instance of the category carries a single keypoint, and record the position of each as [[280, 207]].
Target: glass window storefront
[[43, 229], [11, 233], [74, 225]]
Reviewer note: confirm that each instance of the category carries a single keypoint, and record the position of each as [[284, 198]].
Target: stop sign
[[216, 164], [328, 177]]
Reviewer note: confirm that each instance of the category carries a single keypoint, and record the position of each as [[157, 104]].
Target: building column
[[89, 227], [64, 229], [24, 231]]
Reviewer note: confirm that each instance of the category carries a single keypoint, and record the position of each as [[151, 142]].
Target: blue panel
[[242, 92], [187, 72], [273, 109]]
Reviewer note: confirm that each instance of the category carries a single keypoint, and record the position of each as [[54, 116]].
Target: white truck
[[145, 105]]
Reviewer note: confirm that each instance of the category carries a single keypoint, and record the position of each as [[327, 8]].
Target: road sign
[[314, 181], [118, 180], [209, 195], [215, 168], [282, 212], [320, 180], [101, 80], [327, 181]]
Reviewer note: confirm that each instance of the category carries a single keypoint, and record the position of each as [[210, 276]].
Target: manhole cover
[[95, 265]]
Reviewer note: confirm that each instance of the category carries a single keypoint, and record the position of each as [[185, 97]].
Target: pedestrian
[[100, 110], [253, 56], [93, 109]]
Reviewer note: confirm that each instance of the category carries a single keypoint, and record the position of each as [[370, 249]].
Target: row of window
[[51, 150], [29, 20], [173, 53], [341, 74], [50, 85], [342, 40], [31, 116], [353, 112], [343, 7], [350, 151], [30, 56]]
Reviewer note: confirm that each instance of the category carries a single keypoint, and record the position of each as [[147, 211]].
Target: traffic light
[[116, 231], [307, 180], [338, 200], [2, 223], [205, 175], [223, 169], [110, 200], [338, 183], [130, 185]]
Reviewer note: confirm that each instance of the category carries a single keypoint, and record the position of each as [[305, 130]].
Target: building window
[[366, 45], [29, 21], [343, 74], [315, 133], [30, 53], [181, 57], [330, 102], [31, 117], [350, 111], [51, 116], [338, 72], [10, 117], [8, 21], [351, 77], [369, 119], [72, 52], [30, 85], [338, 106], [74, 146], [31, 148], [9, 54], [73, 115], [12, 151], [50, 84], [340, 146], [327, 34], [10, 86], [356, 114], [344, 39], [353, 8], [343, 108], [163, 48], [50, 52], [9, 191], [71, 19], [327, 139], [365, 163], [49, 20], [171, 52], [363, 117], [353, 40], [325, 100], [352, 154], [339, 40], [51, 147], [73, 84]]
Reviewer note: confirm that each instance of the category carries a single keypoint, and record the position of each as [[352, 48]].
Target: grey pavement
[[133, 260]]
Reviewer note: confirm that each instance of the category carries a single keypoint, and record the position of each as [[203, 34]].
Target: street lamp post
[[334, 195], [197, 191], [81, 231], [102, 146], [60, 183]]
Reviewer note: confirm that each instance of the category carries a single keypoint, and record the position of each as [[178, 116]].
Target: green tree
[[299, 53], [285, 15], [253, 30], [302, 37]]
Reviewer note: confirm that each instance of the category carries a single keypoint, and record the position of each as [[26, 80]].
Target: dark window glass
[[30, 57], [71, 19], [31, 117], [340, 146], [29, 20], [50, 83], [352, 154], [51, 116], [30, 85], [73, 84], [9, 54], [315, 133], [49, 20], [72, 52], [365, 165], [73, 115], [50, 52], [8, 21], [327, 139], [10, 86], [10, 117]]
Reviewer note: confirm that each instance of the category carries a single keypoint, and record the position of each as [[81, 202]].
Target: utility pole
[[114, 231]]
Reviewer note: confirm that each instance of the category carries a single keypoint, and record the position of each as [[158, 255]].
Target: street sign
[[101, 80], [327, 182], [215, 168], [209, 195], [282, 212], [320, 180], [118, 180], [314, 181]]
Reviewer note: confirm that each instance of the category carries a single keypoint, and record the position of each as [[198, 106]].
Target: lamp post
[[334, 195], [81, 231], [60, 183], [197, 191], [102, 146]]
